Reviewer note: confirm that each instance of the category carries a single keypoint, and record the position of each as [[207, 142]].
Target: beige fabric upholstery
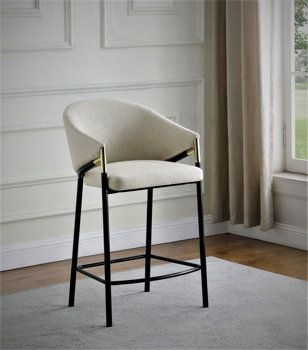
[[130, 132], [144, 173]]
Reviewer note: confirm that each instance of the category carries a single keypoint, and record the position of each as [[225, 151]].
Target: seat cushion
[[136, 174]]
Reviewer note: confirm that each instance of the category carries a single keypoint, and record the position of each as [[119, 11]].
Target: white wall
[[58, 51]]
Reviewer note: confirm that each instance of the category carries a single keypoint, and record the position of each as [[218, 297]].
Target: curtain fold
[[240, 112]]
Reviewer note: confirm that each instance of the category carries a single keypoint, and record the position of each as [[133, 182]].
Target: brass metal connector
[[190, 151], [97, 162], [103, 158], [197, 150], [101, 161]]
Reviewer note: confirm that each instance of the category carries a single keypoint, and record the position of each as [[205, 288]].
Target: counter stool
[[120, 146]]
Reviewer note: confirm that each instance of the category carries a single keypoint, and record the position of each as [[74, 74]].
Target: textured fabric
[[239, 111], [128, 130], [144, 173], [249, 309]]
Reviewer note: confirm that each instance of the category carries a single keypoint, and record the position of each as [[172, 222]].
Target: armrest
[[190, 151], [101, 161], [182, 155]]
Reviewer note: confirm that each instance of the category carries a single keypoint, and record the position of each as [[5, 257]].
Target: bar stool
[[143, 150]]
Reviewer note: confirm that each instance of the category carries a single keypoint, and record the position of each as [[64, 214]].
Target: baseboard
[[34, 253], [40, 252], [288, 235]]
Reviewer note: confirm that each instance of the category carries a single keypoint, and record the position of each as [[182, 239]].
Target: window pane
[[301, 117], [301, 35]]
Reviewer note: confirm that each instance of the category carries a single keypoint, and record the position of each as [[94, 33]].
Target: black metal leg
[[106, 249], [202, 246], [148, 256], [148, 241], [75, 242]]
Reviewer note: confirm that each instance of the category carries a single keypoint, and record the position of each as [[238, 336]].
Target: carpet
[[249, 309]]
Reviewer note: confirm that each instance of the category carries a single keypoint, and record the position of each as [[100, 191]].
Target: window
[[296, 60]]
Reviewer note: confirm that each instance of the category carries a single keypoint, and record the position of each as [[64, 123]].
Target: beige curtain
[[239, 110]]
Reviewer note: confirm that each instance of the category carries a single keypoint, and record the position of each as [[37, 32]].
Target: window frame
[[292, 164]]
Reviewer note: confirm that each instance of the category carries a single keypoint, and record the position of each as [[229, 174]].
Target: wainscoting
[[60, 51]]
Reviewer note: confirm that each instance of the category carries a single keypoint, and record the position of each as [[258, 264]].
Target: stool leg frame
[[75, 242], [148, 240], [205, 301], [148, 255], [105, 206]]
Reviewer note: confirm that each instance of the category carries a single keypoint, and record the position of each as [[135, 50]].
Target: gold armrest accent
[[190, 151], [97, 162], [197, 149], [102, 160]]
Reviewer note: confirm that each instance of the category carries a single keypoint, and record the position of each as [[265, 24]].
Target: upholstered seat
[[136, 174]]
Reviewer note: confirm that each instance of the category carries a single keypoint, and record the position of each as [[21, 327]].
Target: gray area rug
[[249, 309]]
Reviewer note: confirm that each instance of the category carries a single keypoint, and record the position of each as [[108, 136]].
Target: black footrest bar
[[139, 280], [185, 263], [113, 261], [156, 278], [101, 280]]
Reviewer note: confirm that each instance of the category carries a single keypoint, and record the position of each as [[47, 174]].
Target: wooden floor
[[266, 256]]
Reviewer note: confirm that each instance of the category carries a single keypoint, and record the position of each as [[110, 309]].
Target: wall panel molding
[[36, 181], [100, 87], [31, 125], [67, 42], [50, 124], [128, 199], [170, 7], [110, 39], [37, 10], [94, 88], [38, 191]]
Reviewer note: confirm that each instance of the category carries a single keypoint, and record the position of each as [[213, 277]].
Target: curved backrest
[[130, 131]]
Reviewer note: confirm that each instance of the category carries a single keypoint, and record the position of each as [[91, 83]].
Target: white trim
[[291, 177], [33, 253], [291, 195], [67, 42], [31, 125], [135, 42], [124, 200], [37, 10], [134, 8], [292, 163], [40, 252], [290, 185], [172, 114], [91, 88], [287, 235], [94, 88], [37, 180]]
